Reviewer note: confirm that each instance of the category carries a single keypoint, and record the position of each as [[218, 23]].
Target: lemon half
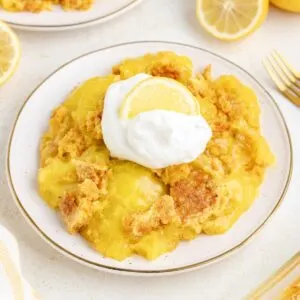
[[159, 93], [10, 52], [231, 19]]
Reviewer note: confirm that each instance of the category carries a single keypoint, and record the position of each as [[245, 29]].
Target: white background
[[56, 277]]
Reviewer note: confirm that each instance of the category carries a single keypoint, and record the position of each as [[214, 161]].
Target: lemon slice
[[159, 93], [10, 52], [231, 19]]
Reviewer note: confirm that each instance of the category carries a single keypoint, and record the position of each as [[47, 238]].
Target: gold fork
[[286, 78]]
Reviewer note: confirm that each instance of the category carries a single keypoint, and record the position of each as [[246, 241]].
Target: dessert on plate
[[41, 5], [153, 154], [292, 292]]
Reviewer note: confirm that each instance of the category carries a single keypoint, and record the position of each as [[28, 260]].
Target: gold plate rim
[[137, 271]]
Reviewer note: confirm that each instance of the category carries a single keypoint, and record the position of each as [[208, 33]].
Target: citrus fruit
[[10, 52], [159, 93], [231, 19], [289, 5]]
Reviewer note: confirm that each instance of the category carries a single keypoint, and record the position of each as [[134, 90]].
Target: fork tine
[[295, 100], [287, 64], [282, 76], [288, 70], [274, 77]]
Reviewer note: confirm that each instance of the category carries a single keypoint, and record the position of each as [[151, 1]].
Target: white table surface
[[56, 277]]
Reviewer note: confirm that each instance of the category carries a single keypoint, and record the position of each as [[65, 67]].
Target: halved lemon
[[159, 93], [10, 52], [231, 19]]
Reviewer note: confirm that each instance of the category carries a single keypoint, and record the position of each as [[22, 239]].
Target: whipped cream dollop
[[155, 139]]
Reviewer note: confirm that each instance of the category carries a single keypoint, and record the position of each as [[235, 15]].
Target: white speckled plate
[[58, 19], [32, 121]]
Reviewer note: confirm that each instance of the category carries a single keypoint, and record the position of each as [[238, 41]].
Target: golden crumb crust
[[36, 6], [292, 292], [193, 194], [162, 212], [76, 207]]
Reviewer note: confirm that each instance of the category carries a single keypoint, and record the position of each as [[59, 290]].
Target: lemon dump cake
[[41, 5], [139, 185], [292, 292]]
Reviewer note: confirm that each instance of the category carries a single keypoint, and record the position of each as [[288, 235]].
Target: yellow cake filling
[[41, 5]]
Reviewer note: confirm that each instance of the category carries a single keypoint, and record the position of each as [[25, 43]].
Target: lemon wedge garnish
[[10, 52], [291, 5], [231, 19], [159, 93]]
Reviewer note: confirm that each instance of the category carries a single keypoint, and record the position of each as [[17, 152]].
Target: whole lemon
[[289, 5]]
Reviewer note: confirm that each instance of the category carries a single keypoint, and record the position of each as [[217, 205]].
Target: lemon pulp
[[9, 52]]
